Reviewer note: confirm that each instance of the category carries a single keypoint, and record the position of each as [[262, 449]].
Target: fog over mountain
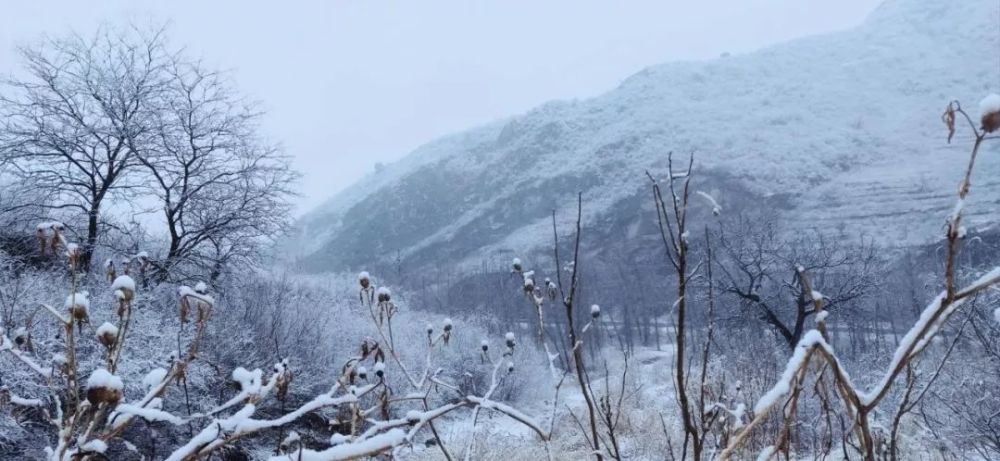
[[788, 253], [833, 130]]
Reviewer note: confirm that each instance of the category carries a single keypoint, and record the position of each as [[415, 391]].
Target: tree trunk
[[92, 231]]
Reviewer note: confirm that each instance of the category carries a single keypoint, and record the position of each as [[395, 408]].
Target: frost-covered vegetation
[[195, 339]]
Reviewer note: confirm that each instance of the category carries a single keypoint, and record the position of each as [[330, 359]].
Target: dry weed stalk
[[859, 405]]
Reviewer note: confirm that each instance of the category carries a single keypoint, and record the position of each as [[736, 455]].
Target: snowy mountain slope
[[844, 128]]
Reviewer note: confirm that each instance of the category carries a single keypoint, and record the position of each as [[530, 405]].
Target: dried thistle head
[[516, 265], [448, 326], [989, 110], [104, 387], [283, 380], [74, 254], [109, 270], [143, 259], [78, 305], [384, 295], [990, 122], [98, 395], [22, 339], [107, 335], [126, 285]]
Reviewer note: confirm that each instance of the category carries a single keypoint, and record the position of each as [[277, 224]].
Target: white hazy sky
[[349, 84]]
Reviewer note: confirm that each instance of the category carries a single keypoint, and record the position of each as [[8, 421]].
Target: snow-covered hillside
[[845, 128]]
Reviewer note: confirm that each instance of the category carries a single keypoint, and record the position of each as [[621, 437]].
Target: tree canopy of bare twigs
[[220, 185], [120, 117], [65, 127], [760, 270]]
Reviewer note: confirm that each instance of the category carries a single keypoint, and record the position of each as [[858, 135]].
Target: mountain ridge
[[827, 121]]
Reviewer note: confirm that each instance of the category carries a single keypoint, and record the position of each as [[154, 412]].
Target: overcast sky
[[349, 84]]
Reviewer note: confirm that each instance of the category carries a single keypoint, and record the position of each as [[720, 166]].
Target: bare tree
[[65, 127], [222, 188], [815, 346], [762, 270]]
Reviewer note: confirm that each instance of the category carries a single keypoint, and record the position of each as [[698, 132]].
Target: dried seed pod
[[529, 285], [509, 337], [103, 387], [551, 289], [78, 305], [126, 285], [98, 395], [447, 330], [379, 369], [107, 334], [22, 338], [991, 121], [516, 265], [989, 109], [74, 254], [109, 270], [485, 345], [384, 294], [595, 311], [283, 380], [364, 280]]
